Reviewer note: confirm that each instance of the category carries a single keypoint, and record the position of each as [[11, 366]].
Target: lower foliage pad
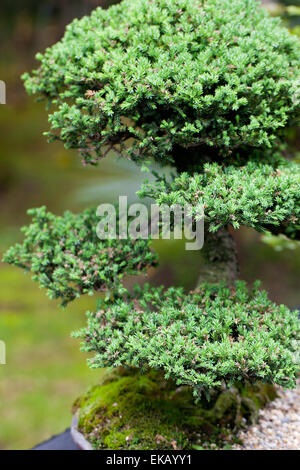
[[208, 338]]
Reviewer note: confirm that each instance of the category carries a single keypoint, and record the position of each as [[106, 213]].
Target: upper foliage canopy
[[67, 258], [203, 339], [146, 77]]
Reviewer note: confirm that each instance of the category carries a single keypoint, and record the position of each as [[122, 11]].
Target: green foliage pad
[[67, 258], [257, 195], [205, 339], [147, 77]]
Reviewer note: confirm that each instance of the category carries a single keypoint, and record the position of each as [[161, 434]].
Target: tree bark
[[220, 258]]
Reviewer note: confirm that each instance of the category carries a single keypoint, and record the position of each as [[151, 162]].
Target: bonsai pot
[[78, 438]]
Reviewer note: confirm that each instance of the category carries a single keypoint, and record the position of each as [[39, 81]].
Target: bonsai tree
[[208, 87]]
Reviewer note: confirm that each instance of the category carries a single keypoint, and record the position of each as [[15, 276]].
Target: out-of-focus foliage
[[280, 242], [288, 10], [37, 15]]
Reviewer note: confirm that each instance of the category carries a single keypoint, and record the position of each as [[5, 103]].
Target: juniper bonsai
[[208, 87]]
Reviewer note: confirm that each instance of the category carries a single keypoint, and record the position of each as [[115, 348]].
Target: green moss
[[134, 411]]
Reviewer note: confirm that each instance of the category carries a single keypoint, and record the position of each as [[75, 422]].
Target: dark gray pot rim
[[78, 438]]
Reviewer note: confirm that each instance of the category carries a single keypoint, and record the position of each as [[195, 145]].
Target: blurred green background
[[45, 371]]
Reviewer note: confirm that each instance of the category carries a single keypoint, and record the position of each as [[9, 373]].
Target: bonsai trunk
[[220, 257], [219, 250]]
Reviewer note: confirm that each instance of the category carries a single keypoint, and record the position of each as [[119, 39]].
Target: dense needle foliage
[[204, 339], [153, 77], [256, 195], [66, 257]]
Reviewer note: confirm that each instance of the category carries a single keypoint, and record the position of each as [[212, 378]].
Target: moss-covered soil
[[135, 411]]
